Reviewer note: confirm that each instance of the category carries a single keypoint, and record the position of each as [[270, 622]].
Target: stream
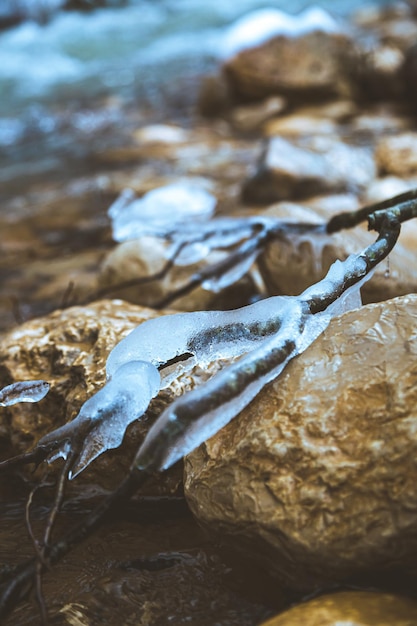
[[71, 85]]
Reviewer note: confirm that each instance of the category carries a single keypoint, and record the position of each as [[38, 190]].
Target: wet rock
[[372, 122], [290, 266], [324, 118], [354, 608], [387, 187], [251, 117], [297, 125], [300, 56], [146, 257], [317, 477], [318, 165], [397, 155]]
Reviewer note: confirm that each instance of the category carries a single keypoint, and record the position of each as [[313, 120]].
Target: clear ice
[[26, 391], [160, 211]]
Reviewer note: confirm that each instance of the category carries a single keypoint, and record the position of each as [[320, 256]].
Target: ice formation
[[160, 211], [103, 419], [260, 26], [26, 391], [259, 339]]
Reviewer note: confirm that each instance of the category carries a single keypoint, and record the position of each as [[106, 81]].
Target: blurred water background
[[69, 78]]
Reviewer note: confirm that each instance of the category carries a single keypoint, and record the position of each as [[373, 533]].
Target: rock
[[324, 118], [374, 121], [69, 349], [147, 256], [319, 165], [290, 266], [297, 125], [397, 155], [270, 52], [353, 608], [387, 187], [251, 117], [317, 478]]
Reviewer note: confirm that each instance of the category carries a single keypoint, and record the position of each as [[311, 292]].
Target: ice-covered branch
[[25, 391]]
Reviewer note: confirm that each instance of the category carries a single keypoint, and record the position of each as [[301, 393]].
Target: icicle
[[104, 418], [199, 337], [182, 426], [26, 391], [217, 284]]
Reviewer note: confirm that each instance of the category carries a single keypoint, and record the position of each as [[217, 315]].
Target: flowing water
[[66, 84]]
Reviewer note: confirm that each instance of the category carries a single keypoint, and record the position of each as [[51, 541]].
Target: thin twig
[[21, 580]]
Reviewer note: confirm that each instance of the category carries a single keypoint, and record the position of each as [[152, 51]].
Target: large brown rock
[[353, 608], [317, 478], [289, 170], [290, 266], [300, 67]]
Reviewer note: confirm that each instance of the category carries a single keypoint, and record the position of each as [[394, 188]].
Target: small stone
[[387, 187], [378, 120], [321, 165], [289, 266], [161, 133], [350, 608], [317, 478], [251, 117], [299, 125], [397, 155]]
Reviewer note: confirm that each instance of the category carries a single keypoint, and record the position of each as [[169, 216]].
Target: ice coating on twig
[[160, 210], [192, 419], [226, 394], [25, 391], [103, 419], [200, 337]]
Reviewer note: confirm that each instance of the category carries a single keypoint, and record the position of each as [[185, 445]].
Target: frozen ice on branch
[[26, 391], [259, 340]]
